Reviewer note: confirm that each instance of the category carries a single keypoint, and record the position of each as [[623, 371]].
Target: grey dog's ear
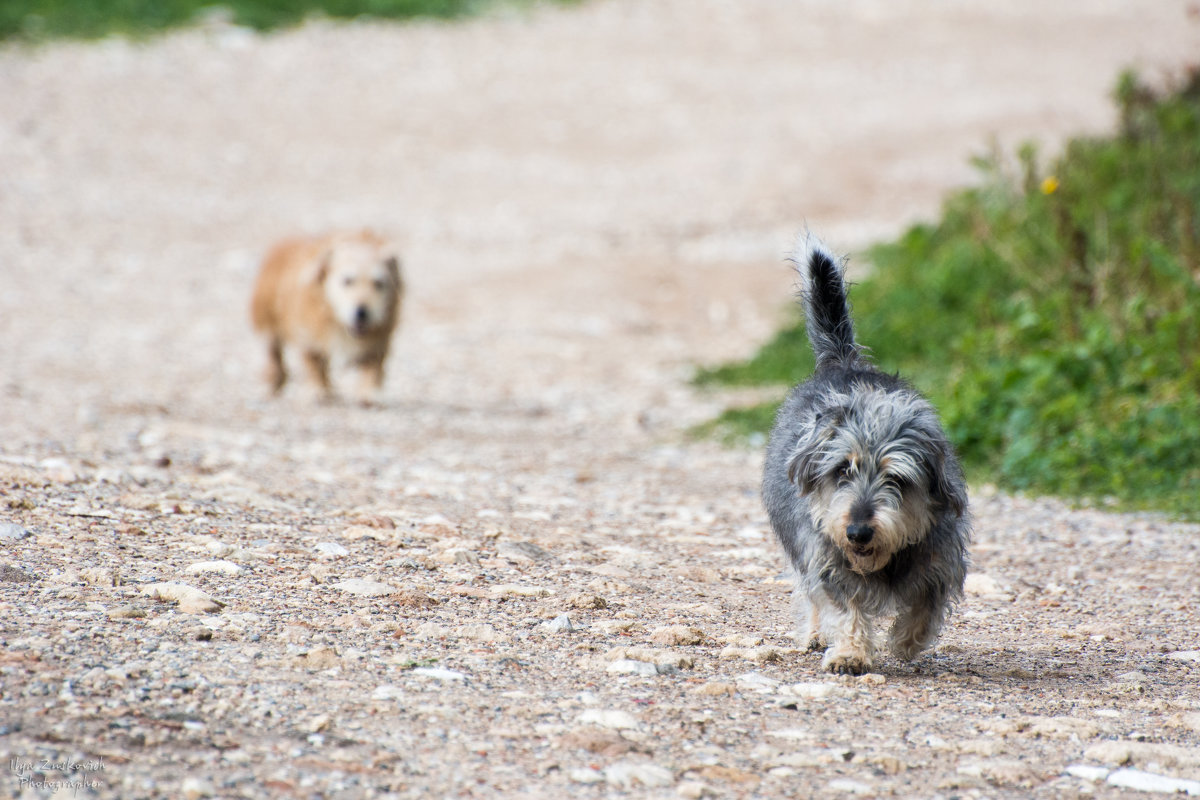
[[804, 467], [943, 488]]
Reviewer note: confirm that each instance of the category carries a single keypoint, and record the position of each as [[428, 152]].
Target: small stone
[[1088, 773], [614, 626], [458, 555], [1115, 753], [440, 674], [431, 630], [984, 586], [677, 635], [847, 786], [10, 574], [316, 724], [603, 743], [609, 718], [12, 532], [516, 590], [407, 598], [586, 601], [560, 624], [331, 549], [1192, 656], [756, 682], [219, 549], [660, 658], [715, 689], [1189, 721], [1008, 772], [100, 576], [1062, 728], [586, 775], [364, 588], [196, 788], [694, 790], [189, 599], [523, 552], [480, 632], [719, 772], [387, 691], [629, 667], [319, 658], [1149, 782], [320, 573], [126, 612], [628, 774], [815, 691], [356, 532], [220, 567]]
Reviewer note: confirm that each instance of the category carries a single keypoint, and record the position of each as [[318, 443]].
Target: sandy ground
[[591, 202]]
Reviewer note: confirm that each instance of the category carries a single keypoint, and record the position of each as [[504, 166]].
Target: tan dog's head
[[362, 282]]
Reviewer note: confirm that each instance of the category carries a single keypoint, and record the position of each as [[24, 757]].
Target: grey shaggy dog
[[863, 490]]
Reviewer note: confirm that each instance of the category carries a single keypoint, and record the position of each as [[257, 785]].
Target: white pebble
[[587, 775], [627, 666], [1088, 773], [609, 718], [847, 786], [10, 531], [1149, 782], [220, 567], [387, 691], [627, 774], [365, 588], [439, 674], [757, 682]]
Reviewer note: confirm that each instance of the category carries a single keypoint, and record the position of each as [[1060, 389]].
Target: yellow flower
[[1050, 185]]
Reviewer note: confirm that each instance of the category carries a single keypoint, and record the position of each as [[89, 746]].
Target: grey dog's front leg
[[853, 649]]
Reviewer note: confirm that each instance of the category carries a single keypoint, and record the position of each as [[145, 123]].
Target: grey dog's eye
[[843, 470], [379, 284]]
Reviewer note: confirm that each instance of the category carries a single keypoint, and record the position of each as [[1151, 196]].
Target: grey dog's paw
[[847, 662], [816, 642]]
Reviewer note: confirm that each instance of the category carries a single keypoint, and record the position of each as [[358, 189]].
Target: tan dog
[[330, 297]]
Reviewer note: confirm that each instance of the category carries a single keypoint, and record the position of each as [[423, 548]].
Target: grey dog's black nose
[[361, 315], [859, 533]]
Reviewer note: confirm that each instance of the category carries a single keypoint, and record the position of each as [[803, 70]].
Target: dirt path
[[591, 202]]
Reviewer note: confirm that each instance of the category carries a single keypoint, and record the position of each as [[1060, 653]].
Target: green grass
[[1052, 314], [38, 20]]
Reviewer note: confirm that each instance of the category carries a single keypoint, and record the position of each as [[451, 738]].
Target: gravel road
[[518, 577]]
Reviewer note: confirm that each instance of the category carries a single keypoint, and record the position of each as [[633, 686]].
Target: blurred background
[[588, 194]]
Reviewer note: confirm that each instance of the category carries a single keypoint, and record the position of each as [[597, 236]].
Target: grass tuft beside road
[[1052, 314]]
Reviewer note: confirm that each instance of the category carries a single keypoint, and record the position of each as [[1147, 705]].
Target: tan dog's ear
[[324, 264], [393, 267]]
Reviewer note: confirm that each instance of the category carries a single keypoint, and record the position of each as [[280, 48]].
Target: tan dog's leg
[[276, 371], [370, 381], [318, 369]]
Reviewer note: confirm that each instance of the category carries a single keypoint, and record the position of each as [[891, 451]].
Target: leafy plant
[[35, 20], [1052, 314]]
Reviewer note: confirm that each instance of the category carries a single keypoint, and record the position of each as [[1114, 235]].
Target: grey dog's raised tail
[[826, 309]]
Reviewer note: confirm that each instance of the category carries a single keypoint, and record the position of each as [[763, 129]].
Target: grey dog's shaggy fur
[[863, 490]]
